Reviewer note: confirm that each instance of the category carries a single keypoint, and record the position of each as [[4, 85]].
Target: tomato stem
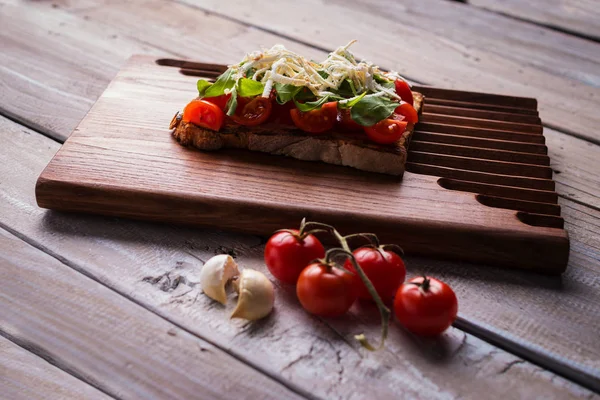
[[425, 284], [371, 237], [393, 247], [383, 310], [308, 227]]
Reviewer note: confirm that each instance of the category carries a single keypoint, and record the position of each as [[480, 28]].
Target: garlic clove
[[215, 274], [256, 295]]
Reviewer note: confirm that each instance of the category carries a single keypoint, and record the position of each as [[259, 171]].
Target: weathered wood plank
[[58, 60], [25, 376], [107, 47], [158, 266], [105, 339], [480, 51], [227, 51], [581, 17]]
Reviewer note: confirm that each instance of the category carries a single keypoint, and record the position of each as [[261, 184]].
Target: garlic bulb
[[215, 274], [256, 295]]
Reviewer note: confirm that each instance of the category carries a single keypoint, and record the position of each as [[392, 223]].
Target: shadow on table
[[184, 237]]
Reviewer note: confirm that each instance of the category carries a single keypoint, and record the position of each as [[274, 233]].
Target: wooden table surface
[[95, 307]]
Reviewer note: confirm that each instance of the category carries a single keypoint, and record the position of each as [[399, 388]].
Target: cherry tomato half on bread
[[287, 254], [346, 123], [219, 101], [326, 290], [386, 131], [205, 114], [403, 90], [281, 113], [252, 111], [384, 268], [425, 306], [408, 112], [316, 121]]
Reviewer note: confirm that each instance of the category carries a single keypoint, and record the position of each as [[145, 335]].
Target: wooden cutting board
[[478, 186]]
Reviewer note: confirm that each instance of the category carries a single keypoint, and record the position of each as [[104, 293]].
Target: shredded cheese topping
[[279, 65]]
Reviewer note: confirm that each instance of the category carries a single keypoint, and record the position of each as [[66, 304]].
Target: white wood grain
[[83, 45], [49, 102], [185, 31], [441, 43], [25, 376], [105, 339], [157, 266], [581, 17]]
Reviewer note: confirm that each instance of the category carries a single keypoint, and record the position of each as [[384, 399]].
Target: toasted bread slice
[[348, 149]]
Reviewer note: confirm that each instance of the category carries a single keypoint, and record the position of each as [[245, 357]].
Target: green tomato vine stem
[[345, 249]]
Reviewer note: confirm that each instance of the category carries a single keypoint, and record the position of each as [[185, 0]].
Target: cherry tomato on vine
[[408, 112], [219, 101], [287, 254], [318, 120], [202, 113], [403, 90], [326, 290], [425, 306], [384, 268], [252, 111], [387, 131]]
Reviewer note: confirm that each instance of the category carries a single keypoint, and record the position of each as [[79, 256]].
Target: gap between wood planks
[[552, 27], [470, 356], [35, 351], [506, 11], [28, 376], [569, 199], [481, 332], [209, 11], [41, 353]]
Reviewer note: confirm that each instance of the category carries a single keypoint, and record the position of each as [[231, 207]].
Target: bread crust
[[347, 149]]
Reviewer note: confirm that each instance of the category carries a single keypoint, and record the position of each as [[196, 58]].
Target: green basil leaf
[[249, 88], [351, 103], [286, 93], [386, 83], [323, 74], [305, 95], [232, 102], [311, 105], [352, 88], [346, 89], [250, 73], [202, 86], [370, 110], [223, 82]]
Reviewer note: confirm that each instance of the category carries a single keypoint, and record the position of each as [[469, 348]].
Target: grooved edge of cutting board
[[121, 160]]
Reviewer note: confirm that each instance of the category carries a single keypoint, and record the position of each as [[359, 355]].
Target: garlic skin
[[215, 274], [256, 295]]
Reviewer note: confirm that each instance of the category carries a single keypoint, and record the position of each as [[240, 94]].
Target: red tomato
[[252, 111], [403, 90], [204, 114], [316, 121], [408, 111], [281, 113], [326, 291], [387, 131], [219, 101], [286, 255], [384, 268], [346, 122], [425, 308]]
